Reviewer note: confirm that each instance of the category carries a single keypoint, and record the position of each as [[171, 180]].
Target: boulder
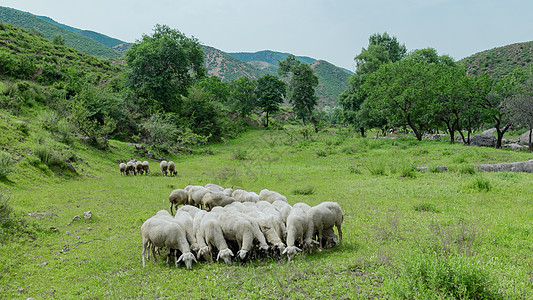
[[513, 146], [524, 138], [521, 166], [484, 139]]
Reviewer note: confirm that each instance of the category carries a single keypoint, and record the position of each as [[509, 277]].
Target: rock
[[76, 217], [521, 166], [524, 138], [54, 229], [140, 147], [422, 169], [433, 137], [87, 215], [150, 154], [45, 214], [513, 146], [485, 139]]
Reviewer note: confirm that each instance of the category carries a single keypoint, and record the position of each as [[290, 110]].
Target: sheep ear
[[297, 249], [285, 251], [315, 242], [180, 259], [194, 258], [231, 252], [218, 255]]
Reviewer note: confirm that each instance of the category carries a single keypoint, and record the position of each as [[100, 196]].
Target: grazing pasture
[[459, 233]]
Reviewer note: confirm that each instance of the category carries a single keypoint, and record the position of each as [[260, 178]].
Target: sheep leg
[[145, 245], [320, 229], [171, 206], [340, 233], [153, 253]]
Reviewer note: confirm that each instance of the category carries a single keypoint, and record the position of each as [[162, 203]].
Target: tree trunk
[[362, 131], [530, 144], [418, 134], [266, 125]]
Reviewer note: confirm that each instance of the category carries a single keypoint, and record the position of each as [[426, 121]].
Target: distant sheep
[[139, 167], [123, 168], [212, 199], [130, 167], [163, 165], [146, 167], [172, 168], [271, 196]]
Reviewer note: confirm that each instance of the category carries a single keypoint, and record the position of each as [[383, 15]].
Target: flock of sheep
[[143, 167], [217, 222]]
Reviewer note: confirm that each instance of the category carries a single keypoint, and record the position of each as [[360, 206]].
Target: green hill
[[268, 56], [228, 68], [332, 81], [50, 30], [500, 61]]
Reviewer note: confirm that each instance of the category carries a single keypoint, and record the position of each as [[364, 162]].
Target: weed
[[349, 149], [354, 170], [6, 164], [377, 168], [240, 154], [482, 184], [408, 171], [321, 153], [306, 190], [426, 207], [467, 169]]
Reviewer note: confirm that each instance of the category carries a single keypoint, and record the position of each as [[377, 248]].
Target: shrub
[[354, 170], [426, 207], [467, 169], [240, 154], [6, 164], [426, 276], [482, 184], [321, 153], [306, 190], [376, 168]]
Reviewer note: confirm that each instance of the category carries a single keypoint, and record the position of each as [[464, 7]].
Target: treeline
[[424, 91]]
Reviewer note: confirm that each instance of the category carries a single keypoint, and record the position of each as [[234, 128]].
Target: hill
[[221, 64], [500, 61], [332, 81], [268, 56], [49, 29]]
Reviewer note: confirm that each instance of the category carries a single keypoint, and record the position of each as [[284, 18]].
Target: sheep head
[[226, 255], [187, 258], [242, 254], [204, 252], [291, 251]]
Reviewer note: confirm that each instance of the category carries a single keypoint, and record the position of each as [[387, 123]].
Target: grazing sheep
[[172, 168], [158, 232], [271, 196], [190, 209], [130, 167], [275, 217], [178, 197], [326, 215], [123, 168], [163, 165], [214, 188], [299, 229], [237, 229], [203, 249], [228, 192], [197, 193], [244, 196], [146, 167], [284, 208], [139, 167], [186, 222], [211, 231], [212, 199], [265, 224]]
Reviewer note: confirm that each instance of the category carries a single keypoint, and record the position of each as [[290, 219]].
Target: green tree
[[216, 87], [58, 40], [406, 92], [301, 87], [243, 96], [520, 105], [202, 114], [270, 92], [162, 67], [382, 49]]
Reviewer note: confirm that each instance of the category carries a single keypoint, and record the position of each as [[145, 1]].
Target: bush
[[467, 169], [426, 276], [482, 184], [426, 207], [376, 168], [307, 190], [6, 164], [240, 154]]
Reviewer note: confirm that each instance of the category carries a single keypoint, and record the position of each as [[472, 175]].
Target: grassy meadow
[[407, 234]]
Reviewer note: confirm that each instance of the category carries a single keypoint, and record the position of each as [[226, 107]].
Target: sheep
[[275, 217], [212, 199], [214, 187], [228, 192], [284, 208], [163, 165], [130, 167], [326, 215], [238, 208], [211, 231], [158, 232], [139, 167], [271, 196], [265, 224], [244, 196], [178, 197], [203, 249], [190, 209], [172, 168], [123, 168], [146, 167], [197, 193], [238, 229], [299, 228], [186, 222]]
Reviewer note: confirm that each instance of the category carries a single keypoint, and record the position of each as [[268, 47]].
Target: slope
[[499, 61], [228, 68], [332, 81], [50, 30]]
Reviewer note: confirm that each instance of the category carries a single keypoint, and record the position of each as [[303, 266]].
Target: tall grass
[[6, 164]]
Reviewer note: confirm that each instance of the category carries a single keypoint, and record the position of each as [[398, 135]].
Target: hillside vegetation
[[227, 68], [500, 61], [50, 30]]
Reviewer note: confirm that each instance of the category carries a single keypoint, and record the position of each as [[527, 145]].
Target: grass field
[[407, 234]]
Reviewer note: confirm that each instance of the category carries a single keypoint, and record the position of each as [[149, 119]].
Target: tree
[[520, 106], [406, 92], [216, 87], [301, 87], [162, 66], [270, 92], [58, 40], [242, 96], [382, 49]]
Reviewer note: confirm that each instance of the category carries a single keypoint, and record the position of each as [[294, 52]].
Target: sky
[[335, 31]]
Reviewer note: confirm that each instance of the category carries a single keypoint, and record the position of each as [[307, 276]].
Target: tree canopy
[[270, 92]]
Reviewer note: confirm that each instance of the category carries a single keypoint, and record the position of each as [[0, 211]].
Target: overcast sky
[[334, 31]]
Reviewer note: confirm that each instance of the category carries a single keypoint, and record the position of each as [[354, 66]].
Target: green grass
[[428, 236]]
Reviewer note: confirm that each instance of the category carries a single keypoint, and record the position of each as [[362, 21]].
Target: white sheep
[[265, 224], [212, 199], [197, 193], [130, 167], [237, 229], [326, 215], [146, 167], [211, 231], [163, 165], [203, 249], [299, 229], [190, 209], [172, 168], [284, 208], [139, 167], [159, 232], [213, 187], [228, 192], [178, 197], [244, 196], [123, 168], [271, 196], [275, 217], [186, 222]]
